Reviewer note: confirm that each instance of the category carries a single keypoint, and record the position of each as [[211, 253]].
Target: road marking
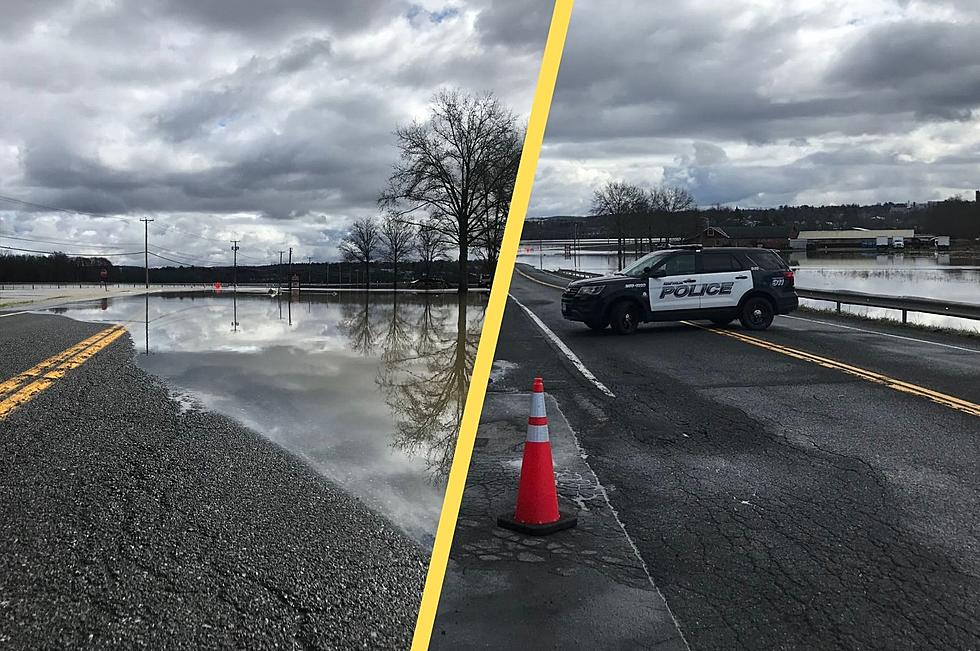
[[572, 357], [883, 334], [26, 386], [12, 314], [540, 282], [946, 400], [605, 496]]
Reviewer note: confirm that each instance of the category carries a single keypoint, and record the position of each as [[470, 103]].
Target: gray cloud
[[792, 93], [229, 118]]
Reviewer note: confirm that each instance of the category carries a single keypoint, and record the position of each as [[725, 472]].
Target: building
[[769, 237], [854, 238]]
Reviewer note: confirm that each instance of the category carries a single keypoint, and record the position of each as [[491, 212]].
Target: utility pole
[[290, 273], [279, 273], [234, 273], [146, 248], [309, 269]]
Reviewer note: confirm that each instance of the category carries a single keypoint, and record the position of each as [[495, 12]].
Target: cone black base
[[563, 522]]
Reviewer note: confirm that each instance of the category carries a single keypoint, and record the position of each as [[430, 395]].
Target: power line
[[69, 211], [73, 255], [121, 245]]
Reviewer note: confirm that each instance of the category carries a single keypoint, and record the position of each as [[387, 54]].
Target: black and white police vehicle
[[686, 283]]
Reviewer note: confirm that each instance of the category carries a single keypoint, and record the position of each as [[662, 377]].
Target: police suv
[[715, 284]]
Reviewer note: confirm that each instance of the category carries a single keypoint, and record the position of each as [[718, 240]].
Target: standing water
[[368, 388]]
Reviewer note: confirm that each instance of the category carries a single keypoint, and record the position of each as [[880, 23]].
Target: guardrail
[[575, 273], [905, 304]]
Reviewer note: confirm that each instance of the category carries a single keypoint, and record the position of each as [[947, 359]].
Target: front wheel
[[624, 318], [757, 314], [598, 326]]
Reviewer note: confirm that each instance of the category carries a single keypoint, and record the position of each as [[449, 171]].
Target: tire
[[757, 313], [721, 323], [598, 326], [624, 318]]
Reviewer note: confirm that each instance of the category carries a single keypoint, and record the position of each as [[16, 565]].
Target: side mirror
[[657, 273]]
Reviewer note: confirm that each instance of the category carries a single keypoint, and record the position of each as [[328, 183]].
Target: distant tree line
[[625, 211], [59, 268]]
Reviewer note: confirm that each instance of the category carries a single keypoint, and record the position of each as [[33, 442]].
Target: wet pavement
[[368, 389], [132, 521], [572, 589], [776, 502]]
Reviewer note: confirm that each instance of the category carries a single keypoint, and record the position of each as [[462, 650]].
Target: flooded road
[[943, 276], [369, 389]]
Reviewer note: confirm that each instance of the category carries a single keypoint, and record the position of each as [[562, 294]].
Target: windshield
[[649, 260]]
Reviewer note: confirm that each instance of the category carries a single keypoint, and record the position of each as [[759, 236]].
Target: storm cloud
[[224, 119], [766, 102]]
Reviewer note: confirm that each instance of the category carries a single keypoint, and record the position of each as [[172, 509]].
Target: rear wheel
[[596, 325], [757, 314], [723, 322], [624, 318]]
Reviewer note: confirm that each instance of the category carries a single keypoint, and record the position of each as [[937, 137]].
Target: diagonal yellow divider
[[871, 376], [491, 323], [54, 368], [8, 386]]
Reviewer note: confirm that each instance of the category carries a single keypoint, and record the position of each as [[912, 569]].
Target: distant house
[[768, 237]]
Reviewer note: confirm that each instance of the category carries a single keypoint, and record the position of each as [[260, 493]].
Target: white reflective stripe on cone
[[537, 405], [537, 433]]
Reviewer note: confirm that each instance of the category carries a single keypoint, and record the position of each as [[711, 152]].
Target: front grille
[[570, 292]]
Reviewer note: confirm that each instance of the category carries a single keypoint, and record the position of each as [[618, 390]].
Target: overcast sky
[[767, 102], [267, 122]]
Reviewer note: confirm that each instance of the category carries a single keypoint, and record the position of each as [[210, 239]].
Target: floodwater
[[369, 389], [943, 276]]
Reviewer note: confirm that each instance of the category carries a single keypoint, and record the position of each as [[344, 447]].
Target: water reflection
[[369, 389]]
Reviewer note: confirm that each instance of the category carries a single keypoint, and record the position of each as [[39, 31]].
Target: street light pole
[[146, 249], [234, 273]]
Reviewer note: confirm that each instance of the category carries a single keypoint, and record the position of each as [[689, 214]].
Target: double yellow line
[[26, 386], [892, 383]]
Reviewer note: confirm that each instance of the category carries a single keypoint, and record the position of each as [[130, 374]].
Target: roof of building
[[855, 234]]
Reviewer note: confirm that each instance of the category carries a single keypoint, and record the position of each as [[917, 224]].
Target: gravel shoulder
[[128, 522]]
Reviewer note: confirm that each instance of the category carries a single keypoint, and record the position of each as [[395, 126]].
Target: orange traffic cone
[[537, 498]]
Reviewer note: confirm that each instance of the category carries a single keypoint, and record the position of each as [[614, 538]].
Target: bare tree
[[620, 199], [361, 244], [452, 165], [431, 245], [669, 198], [494, 219], [397, 242]]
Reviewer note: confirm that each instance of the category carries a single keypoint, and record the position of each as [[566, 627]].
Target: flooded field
[[943, 276], [368, 388]]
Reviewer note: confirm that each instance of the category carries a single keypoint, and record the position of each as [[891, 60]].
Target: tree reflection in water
[[427, 349]]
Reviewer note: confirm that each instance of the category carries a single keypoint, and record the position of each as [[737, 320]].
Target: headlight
[[590, 290]]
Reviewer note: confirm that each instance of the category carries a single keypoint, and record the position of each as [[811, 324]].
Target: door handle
[[741, 277]]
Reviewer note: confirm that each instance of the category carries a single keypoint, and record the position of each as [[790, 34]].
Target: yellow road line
[[8, 386], [871, 376], [57, 370], [491, 322]]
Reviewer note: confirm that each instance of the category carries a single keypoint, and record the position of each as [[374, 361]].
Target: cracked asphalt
[[126, 521], [779, 504]]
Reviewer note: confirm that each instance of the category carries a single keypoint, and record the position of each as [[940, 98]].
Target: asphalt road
[[126, 521], [779, 503]]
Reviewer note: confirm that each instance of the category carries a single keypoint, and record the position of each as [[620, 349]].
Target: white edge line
[[572, 357], [883, 334], [540, 282], [605, 496], [12, 314]]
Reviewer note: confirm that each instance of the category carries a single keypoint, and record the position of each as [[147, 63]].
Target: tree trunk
[[367, 274], [463, 268]]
